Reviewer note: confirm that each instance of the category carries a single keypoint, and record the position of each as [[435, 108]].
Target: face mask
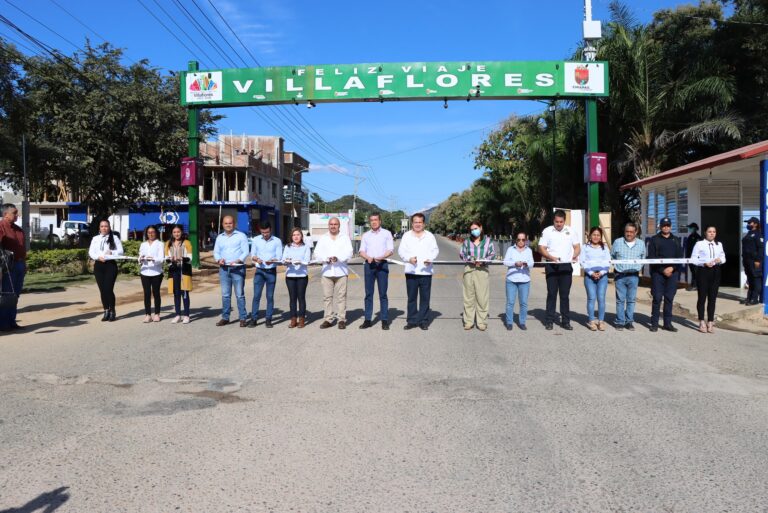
[[476, 232]]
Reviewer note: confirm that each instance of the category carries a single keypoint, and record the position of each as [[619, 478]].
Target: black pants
[[663, 288], [754, 280], [106, 275], [708, 283], [151, 285], [559, 279], [419, 288], [694, 268], [297, 295]]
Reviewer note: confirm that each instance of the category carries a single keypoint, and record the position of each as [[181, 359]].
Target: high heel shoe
[[710, 327], [105, 317], [702, 326], [112, 315]]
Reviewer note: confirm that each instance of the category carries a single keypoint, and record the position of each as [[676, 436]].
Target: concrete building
[[722, 190]]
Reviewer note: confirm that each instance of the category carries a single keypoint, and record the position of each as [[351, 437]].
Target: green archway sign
[[493, 80], [381, 82]]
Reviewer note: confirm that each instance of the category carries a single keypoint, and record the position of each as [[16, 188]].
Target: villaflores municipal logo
[[582, 77], [204, 87]]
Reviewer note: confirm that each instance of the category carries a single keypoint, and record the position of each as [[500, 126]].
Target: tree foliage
[[108, 134]]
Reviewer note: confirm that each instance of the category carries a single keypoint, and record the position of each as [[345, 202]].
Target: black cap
[[665, 221], [753, 219], [693, 225]]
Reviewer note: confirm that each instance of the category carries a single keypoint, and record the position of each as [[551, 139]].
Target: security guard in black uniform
[[752, 246]]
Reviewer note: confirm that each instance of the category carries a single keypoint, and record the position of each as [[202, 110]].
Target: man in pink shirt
[[376, 246]]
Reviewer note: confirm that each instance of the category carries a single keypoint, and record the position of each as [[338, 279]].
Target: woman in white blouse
[[151, 255], [708, 256], [104, 248]]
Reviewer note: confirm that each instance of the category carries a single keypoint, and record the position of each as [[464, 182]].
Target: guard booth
[[722, 190]]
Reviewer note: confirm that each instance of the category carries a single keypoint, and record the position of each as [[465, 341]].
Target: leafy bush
[[71, 262], [130, 248]]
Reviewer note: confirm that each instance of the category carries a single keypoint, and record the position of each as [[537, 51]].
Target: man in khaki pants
[[334, 249]]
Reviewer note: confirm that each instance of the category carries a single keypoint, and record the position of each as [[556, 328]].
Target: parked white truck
[[66, 229]]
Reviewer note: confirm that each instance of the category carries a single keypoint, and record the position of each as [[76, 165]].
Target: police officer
[[690, 242], [752, 246], [664, 277]]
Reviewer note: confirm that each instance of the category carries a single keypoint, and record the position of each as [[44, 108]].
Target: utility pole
[[25, 201], [592, 33], [193, 193]]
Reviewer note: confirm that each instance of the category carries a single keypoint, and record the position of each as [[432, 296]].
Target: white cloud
[[259, 36], [329, 168]]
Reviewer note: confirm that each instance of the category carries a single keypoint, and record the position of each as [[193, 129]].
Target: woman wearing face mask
[[296, 256], [104, 247], [178, 250], [595, 260], [151, 256], [708, 256], [476, 251], [519, 260]]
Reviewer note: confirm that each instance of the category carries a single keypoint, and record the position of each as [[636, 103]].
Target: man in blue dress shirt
[[230, 252], [266, 252]]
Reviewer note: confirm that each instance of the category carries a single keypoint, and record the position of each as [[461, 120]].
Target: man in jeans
[[266, 252], [627, 276], [375, 247], [230, 252]]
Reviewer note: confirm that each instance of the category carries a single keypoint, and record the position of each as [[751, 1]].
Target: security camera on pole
[[592, 33]]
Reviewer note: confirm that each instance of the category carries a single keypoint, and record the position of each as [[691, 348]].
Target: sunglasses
[[523, 239]]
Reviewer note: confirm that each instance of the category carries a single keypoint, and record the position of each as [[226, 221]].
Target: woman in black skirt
[[104, 248]]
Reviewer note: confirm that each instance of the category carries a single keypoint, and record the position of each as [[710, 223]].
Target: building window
[[651, 211], [682, 209], [274, 190], [253, 184]]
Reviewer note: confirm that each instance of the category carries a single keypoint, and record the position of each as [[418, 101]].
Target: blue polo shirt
[[266, 249]]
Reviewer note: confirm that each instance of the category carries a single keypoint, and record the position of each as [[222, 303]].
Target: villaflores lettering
[[408, 81]]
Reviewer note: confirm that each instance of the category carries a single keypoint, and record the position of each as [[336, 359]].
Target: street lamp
[[294, 172], [553, 111]]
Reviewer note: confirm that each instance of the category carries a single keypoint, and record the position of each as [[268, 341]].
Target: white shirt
[[155, 251], [560, 243], [341, 248], [100, 247], [423, 248], [518, 274], [705, 252]]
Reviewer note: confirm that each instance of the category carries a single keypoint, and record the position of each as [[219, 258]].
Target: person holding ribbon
[[418, 249], [375, 247], [334, 249], [266, 252], [665, 276], [476, 252], [103, 250], [151, 258], [519, 261], [560, 246], [230, 252], [626, 276], [595, 259], [179, 252], [708, 256], [296, 256]]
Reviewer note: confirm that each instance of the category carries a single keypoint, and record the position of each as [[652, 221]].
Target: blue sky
[[418, 152]]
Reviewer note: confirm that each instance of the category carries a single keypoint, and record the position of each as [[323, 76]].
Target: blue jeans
[[263, 277], [517, 291], [15, 278], [596, 290], [376, 273], [232, 277], [626, 294]]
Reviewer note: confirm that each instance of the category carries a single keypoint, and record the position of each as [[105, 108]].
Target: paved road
[[158, 418]]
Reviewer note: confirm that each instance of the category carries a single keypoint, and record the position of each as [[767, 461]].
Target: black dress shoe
[[105, 318], [522, 327], [112, 315], [268, 323], [385, 325], [548, 326], [409, 326], [424, 326], [325, 325], [567, 326], [630, 326], [653, 329], [670, 328], [509, 327], [366, 324]]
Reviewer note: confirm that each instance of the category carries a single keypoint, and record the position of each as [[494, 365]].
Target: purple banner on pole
[[764, 226]]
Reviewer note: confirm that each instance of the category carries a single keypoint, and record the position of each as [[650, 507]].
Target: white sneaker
[[186, 320], [176, 319]]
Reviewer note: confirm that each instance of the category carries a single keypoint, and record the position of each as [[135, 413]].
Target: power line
[[166, 27], [22, 11]]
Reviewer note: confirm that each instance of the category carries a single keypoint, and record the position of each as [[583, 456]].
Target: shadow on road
[[43, 503]]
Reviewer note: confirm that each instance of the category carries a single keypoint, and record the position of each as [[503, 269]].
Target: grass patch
[[46, 282]]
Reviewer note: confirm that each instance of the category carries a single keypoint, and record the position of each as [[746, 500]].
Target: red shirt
[[12, 239]]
